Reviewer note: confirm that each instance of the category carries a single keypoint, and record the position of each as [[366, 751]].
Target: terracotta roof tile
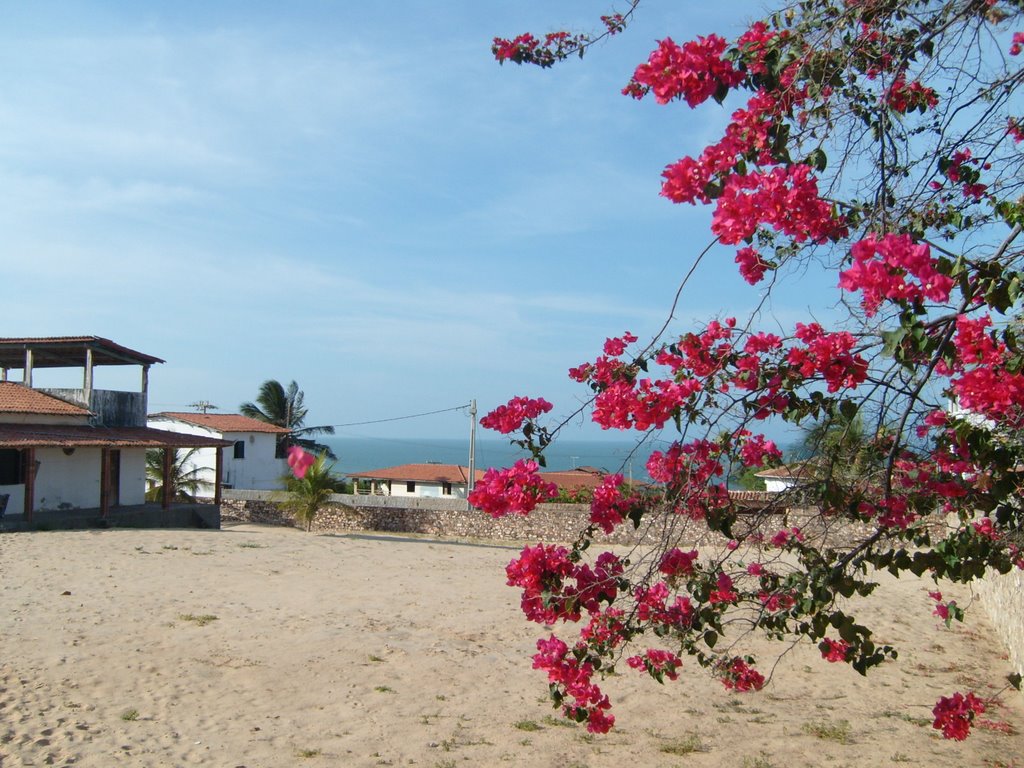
[[17, 398], [60, 436], [575, 479], [422, 473], [223, 422]]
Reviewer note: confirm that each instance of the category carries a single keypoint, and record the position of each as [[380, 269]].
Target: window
[[410, 486], [10, 467], [239, 449], [446, 489]]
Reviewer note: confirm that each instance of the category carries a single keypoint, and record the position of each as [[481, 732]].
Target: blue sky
[[354, 196]]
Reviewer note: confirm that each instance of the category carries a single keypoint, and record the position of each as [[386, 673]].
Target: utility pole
[[471, 481]]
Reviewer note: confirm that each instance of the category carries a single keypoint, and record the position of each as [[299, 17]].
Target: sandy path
[[360, 651]]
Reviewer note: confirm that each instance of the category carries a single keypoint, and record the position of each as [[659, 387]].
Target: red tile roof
[[575, 479], [422, 473], [223, 422], [17, 398], [787, 472], [68, 351], [60, 436]]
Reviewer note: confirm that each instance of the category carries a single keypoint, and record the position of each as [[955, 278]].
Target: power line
[[401, 418]]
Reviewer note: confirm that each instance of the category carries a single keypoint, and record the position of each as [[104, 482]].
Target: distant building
[[81, 448], [573, 481], [423, 480], [252, 461], [779, 479]]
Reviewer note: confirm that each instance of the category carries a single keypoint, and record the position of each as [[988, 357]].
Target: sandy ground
[[362, 651]]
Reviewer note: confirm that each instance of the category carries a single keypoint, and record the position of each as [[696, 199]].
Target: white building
[[252, 462], [447, 481], [74, 449]]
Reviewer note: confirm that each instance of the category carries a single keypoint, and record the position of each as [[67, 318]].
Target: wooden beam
[[218, 472], [29, 471], [104, 482], [165, 496]]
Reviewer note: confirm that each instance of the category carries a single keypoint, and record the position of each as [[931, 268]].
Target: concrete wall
[[1003, 598], [112, 408]]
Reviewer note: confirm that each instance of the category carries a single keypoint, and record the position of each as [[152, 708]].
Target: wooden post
[[218, 471], [165, 496], [104, 482], [27, 378], [87, 379], [29, 471]]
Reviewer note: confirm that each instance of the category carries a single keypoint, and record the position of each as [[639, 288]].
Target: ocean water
[[362, 454]]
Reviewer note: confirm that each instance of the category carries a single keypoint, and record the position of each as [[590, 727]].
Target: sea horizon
[[364, 454]]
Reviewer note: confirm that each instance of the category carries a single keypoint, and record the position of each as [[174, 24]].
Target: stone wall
[[1003, 597], [454, 518]]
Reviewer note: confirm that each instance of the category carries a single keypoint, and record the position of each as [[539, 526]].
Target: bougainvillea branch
[[881, 140]]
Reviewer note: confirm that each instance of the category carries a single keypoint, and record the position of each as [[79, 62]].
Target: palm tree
[[284, 408], [185, 478], [308, 493]]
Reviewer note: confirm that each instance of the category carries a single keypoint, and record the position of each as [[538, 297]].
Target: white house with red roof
[[252, 462], [67, 450], [442, 481]]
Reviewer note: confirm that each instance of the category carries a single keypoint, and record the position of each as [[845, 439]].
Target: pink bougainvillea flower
[[954, 715], [299, 461], [833, 650]]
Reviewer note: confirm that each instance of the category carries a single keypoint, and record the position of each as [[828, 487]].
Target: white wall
[[260, 470], [133, 476], [64, 482], [427, 490]]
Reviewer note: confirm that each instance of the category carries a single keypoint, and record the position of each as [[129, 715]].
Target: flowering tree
[[879, 138]]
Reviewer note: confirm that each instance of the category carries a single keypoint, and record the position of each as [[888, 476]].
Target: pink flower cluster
[[828, 355], [757, 450], [1017, 43], [608, 507], [510, 417], [556, 588], [299, 461], [902, 97], [513, 491], [955, 714], [785, 199], [881, 267], [676, 563], [834, 650], [694, 71], [642, 404], [989, 387], [526, 49], [657, 663], [572, 677], [724, 591], [752, 266], [738, 675], [687, 179], [652, 605]]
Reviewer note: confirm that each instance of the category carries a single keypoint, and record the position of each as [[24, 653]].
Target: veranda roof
[[75, 436]]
